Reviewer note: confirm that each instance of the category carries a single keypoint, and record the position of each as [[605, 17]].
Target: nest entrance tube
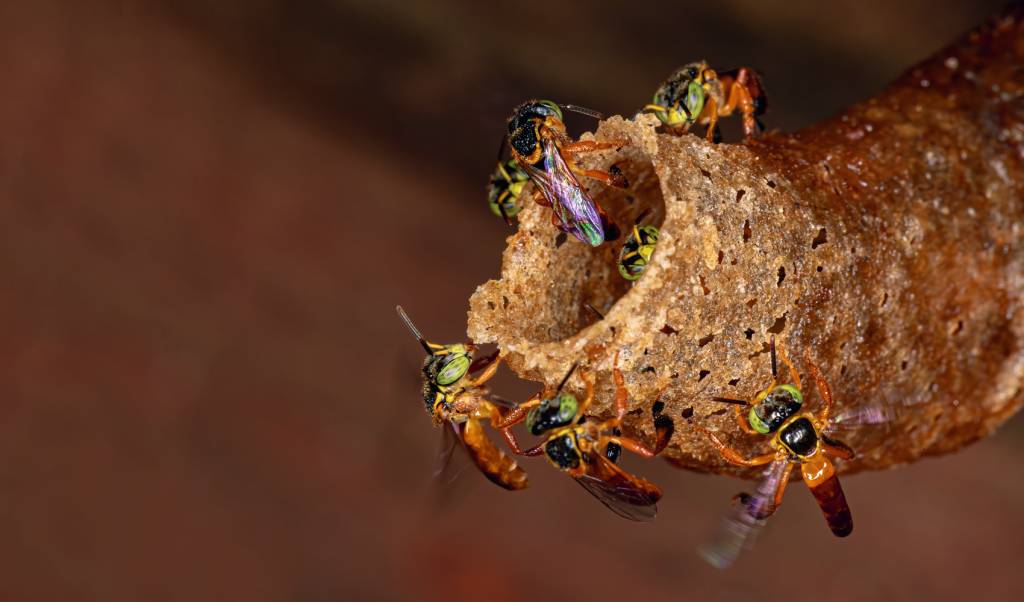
[[883, 245]]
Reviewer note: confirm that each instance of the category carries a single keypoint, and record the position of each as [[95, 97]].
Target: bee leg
[[792, 371], [513, 444], [621, 393], [823, 389], [486, 374], [589, 397], [589, 146], [732, 455], [540, 199], [516, 414], [634, 446], [611, 179], [712, 111], [741, 418], [740, 98], [782, 483], [536, 450], [837, 449]]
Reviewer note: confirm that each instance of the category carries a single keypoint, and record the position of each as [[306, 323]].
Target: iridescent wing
[[868, 415], [749, 514], [573, 206], [628, 496]]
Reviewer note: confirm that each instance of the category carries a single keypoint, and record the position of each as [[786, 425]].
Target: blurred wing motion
[[628, 496], [749, 514], [494, 463], [573, 206], [448, 467], [871, 414]]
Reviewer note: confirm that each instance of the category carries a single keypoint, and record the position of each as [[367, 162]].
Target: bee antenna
[[775, 366], [729, 400], [412, 328], [642, 215], [565, 378], [583, 111], [594, 309], [501, 147]]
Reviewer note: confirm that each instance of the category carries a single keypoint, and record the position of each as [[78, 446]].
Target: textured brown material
[[884, 242]]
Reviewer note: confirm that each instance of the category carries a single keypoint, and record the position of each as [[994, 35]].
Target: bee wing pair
[[578, 213], [629, 496], [739, 530]]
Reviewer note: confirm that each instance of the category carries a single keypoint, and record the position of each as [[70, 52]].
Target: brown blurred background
[[208, 213]]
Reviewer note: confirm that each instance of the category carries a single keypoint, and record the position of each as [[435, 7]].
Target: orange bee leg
[[589, 146], [516, 414], [741, 418], [540, 199], [732, 455], [782, 484], [739, 95], [823, 389], [711, 110], [838, 450], [621, 393], [611, 179], [589, 396], [821, 479], [513, 443], [536, 450], [634, 446], [792, 371], [486, 375]]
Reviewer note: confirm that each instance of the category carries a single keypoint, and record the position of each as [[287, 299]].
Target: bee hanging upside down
[[695, 93], [542, 148], [587, 451], [637, 250], [458, 402], [799, 438], [507, 181]]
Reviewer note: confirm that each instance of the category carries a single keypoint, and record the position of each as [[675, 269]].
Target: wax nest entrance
[[883, 245]]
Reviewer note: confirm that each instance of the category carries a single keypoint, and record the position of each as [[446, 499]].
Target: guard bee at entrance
[[543, 149], [459, 403], [507, 181], [637, 250], [799, 438], [695, 93], [588, 451]]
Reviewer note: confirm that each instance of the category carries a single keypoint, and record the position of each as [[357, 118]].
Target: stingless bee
[[637, 250], [507, 181], [799, 438], [460, 403], [588, 450], [541, 146], [695, 93]]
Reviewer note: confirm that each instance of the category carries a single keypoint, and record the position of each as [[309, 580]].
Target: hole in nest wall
[[779, 325], [820, 239], [590, 275]]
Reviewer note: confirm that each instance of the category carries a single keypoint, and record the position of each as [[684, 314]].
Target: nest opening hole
[[590, 275]]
